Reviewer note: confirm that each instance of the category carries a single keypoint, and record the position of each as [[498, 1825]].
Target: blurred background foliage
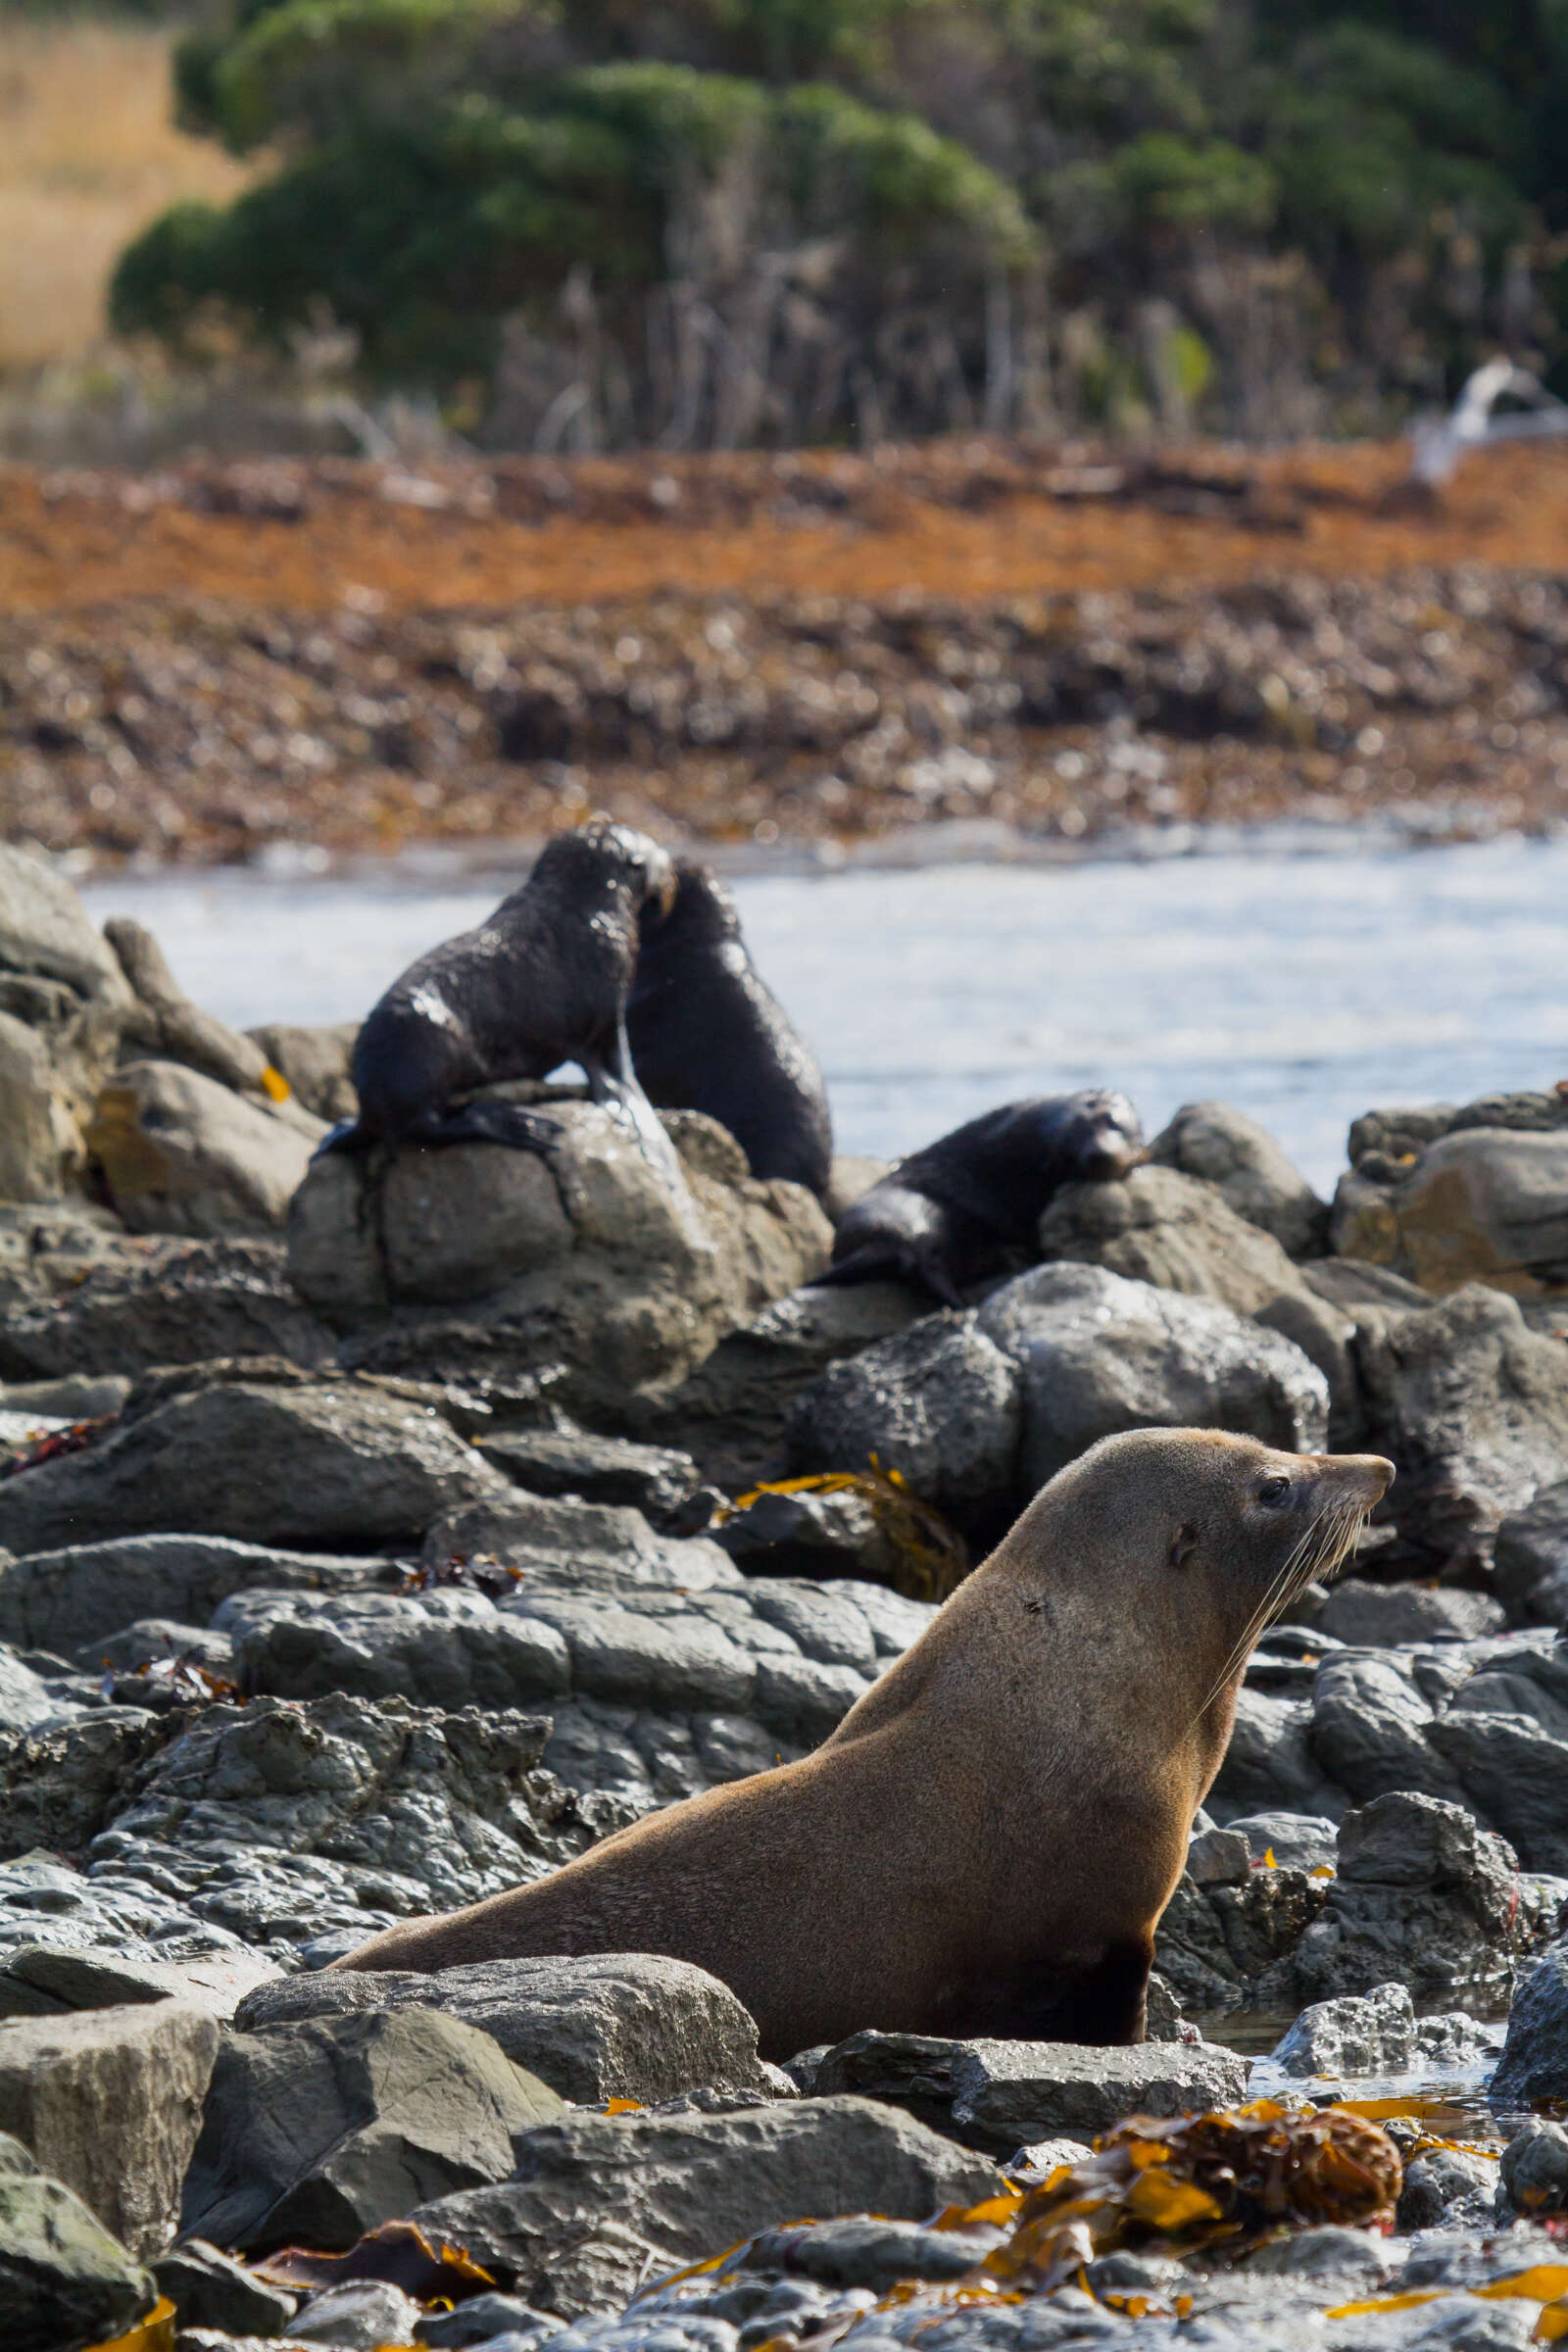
[[593, 223]]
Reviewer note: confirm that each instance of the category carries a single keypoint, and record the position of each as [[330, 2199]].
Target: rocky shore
[[376, 1537]]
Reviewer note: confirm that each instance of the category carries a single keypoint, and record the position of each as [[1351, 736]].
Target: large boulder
[[602, 1256], [1099, 1354], [1447, 1197], [321, 2130], [65, 2281], [269, 1459], [110, 2102], [1472, 1408], [616, 2026], [940, 1405], [315, 1062], [649, 2192], [143, 1303], [1233, 1153], [74, 1598], [180, 1154]]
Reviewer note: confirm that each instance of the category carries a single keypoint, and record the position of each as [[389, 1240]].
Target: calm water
[[1301, 989]]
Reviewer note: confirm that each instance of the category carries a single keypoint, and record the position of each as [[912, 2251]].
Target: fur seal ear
[[1185, 1542]]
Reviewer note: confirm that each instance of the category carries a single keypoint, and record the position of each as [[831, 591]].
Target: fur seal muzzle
[[986, 1843]]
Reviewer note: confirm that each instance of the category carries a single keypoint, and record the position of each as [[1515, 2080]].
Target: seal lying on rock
[[956, 1211], [706, 1034], [985, 1845], [543, 981]]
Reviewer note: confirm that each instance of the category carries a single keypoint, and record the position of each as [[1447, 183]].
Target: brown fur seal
[[543, 981], [986, 1843], [967, 1206], [707, 1034]]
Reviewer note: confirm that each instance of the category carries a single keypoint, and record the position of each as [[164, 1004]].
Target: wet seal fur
[[967, 1206], [543, 981], [985, 1845], [707, 1034]]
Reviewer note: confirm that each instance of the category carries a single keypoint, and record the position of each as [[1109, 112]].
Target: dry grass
[[87, 156]]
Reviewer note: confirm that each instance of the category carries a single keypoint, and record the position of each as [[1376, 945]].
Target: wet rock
[[1514, 1763], [1472, 1408], [732, 1411], [940, 1403], [314, 1061], [1534, 2170], [1242, 1159], [1370, 1721], [63, 2279], [1535, 2056], [1002, 2094], [70, 1600], [356, 2316], [1297, 1840], [1271, 1762], [1446, 2186], [626, 2026], [1218, 1858], [1225, 1947], [301, 1464], [811, 1534], [209, 2289], [155, 1301], [1371, 2034], [690, 2186], [1423, 1898], [1382, 1616], [478, 2319], [180, 1154], [1531, 1559], [1099, 1354], [319, 2131], [110, 2102], [596, 1257], [865, 2251], [655, 1480]]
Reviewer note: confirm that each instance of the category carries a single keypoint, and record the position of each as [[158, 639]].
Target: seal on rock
[[542, 982], [968, 1206], [707, 1034], [986, 1843]]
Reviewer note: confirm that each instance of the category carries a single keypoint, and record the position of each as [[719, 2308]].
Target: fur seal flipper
[[985, 1845], [542, 982], [956, 1211], [707, 1034]]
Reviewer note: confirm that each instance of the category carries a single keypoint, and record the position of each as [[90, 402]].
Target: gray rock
[[150, 1640], [1531, 1559], [57, 1785], [39, 1978], [1514, 1771], [1004, 2094], [866, 2251], [652, 1479], [297, 1463], [811, 1536], [40, 1146], [1446, 2186], [1472, 1408], [64, 2280], [211, 2289], [1535, 2056], [77, 1397], [1219, 1859], [1535, 2169], [1480, 1204], [1099, 1354], [1297, 1840], [110, 2102], [1271, 1764], [1010, 2093], [480, 2318], [1382, 1616], [690, 2186], [45, 931], [940, 1403], [315, 1063], [150, 1304], [1370, 2033], [581, 1545], [1232, 1152], [1326, 2252], [731, 1412], [444, 1649], [319, 2131], [181, 1153], [1370, 1726], [1159, 1226], [25, 1697], [358, 2316], [1423, 1896], [623, 2025]]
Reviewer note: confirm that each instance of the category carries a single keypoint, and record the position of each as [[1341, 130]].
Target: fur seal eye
[[1273, 1491]]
